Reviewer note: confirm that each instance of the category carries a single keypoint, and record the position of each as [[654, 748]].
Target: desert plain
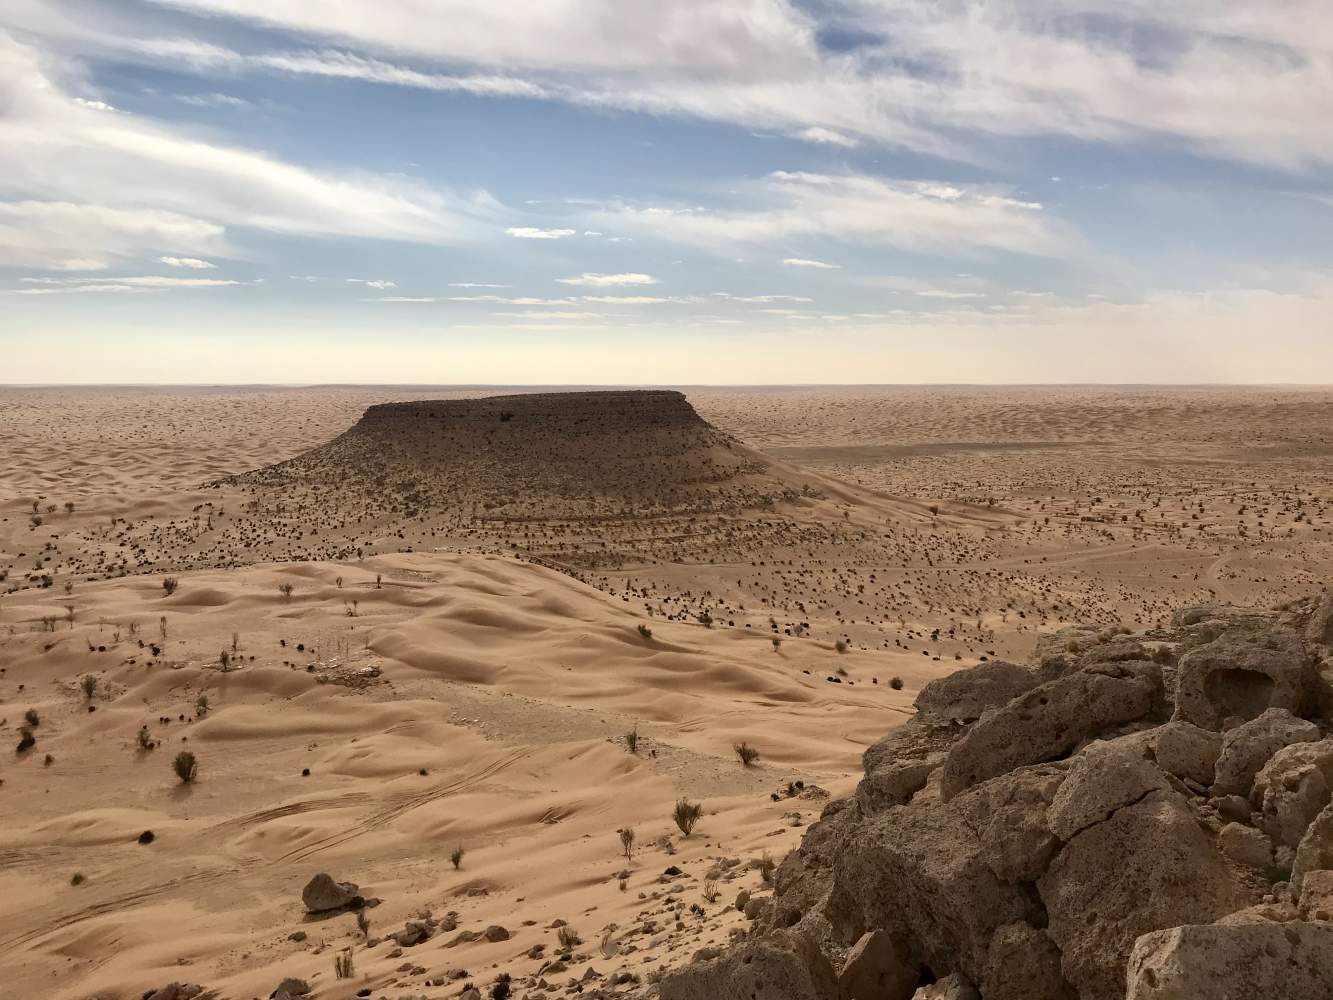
[[452, 666]]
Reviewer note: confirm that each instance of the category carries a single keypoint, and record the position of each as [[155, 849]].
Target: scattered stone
[[323, 894]]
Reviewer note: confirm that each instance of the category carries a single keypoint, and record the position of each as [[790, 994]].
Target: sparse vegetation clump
[[89, 685], [201, 704], [632, 740], [747, 754], [145, 739], [765, 866], [169, 585], [645, 632], [286, 589], [26, 740], [626, 842], [185, 766], [896, 683], [31, 717], [686, 815], [456, 857], [343, 967]]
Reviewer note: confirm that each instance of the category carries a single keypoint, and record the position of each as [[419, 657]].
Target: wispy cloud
[[805, 262], [528, 233], [193, 263], [609, 280], [923, 216], [372, 282]]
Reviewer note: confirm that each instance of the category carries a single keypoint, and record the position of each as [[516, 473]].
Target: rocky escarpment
[[1142, 816]]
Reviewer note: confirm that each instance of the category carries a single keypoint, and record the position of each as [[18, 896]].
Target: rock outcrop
[[1134, 817]]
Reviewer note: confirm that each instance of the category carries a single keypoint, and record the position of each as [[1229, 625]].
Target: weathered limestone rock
[[782, 966], [1008, 814], [1247, 748], [966, 695], [1242, 674], [921, 873], [1100, 780], [1230, 962], [1320, 627], [1245, 845], [1316, 847], [878, 968], [1187, 751], [1292, 788], [1050, 720], [895, 784], [1024, 964], [1148, 867], [322, 894], [1316, 899]]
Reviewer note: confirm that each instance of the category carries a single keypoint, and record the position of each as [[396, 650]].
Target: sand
[[503, 656]]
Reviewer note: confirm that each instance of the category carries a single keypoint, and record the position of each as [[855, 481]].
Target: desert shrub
[[777, 644], [626, 842], [26, 740], [645, 631], [31, 717], [185, 766], [765, 866], [285, 589], [363, 923], [746, 753], [840, 646], [201, 704], [710, 890], [502, 990], [89, 685], [568, 937], [896, 683], [77, 879], [169, 585], [456, 857], [342, 964], [686, 815], [145, 738], [632, 740]]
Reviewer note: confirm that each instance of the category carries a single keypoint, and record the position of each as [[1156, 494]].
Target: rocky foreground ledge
[[1142, 816]]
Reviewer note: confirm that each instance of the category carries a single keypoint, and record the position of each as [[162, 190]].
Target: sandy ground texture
[[477, 691]]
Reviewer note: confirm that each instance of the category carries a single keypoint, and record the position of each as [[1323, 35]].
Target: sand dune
[[804, 549]]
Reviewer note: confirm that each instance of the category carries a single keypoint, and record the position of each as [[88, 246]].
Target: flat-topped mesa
[[548, 456]]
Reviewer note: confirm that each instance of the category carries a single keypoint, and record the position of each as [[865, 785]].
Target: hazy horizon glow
[[708, 192]]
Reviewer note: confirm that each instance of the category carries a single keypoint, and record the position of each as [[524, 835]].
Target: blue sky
[[690, 191]]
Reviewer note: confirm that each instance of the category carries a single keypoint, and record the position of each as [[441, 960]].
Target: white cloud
[[194, 263], [538, 314], [609, 280], [93, 105], [78, 264], [921, 216], [475, 284], [804, 262], [372, 282], [940, 293], [528, 233], [929, 76], [630, 300], [404, 298], [750, 299], [123, 184]]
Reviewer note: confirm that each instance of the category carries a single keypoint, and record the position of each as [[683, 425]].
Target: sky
[[666, 191]]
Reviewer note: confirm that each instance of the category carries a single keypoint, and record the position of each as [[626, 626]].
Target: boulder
[[1245, 845], [176, 991], [291, 989], [1292, 788], [1232, 961], [1248, 747], [1008, 815], [966, 695], [921, 873], [782, 966], [495, 933], [322, 894], [1316, 898], [1050, 720], [1243, 674], [1147, 867], [1187, 751], [1024, 964], [1320, 627], [1100, 780], [878, 968], [413, 933], [894, 784], [951, 987], [1316, 847]]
